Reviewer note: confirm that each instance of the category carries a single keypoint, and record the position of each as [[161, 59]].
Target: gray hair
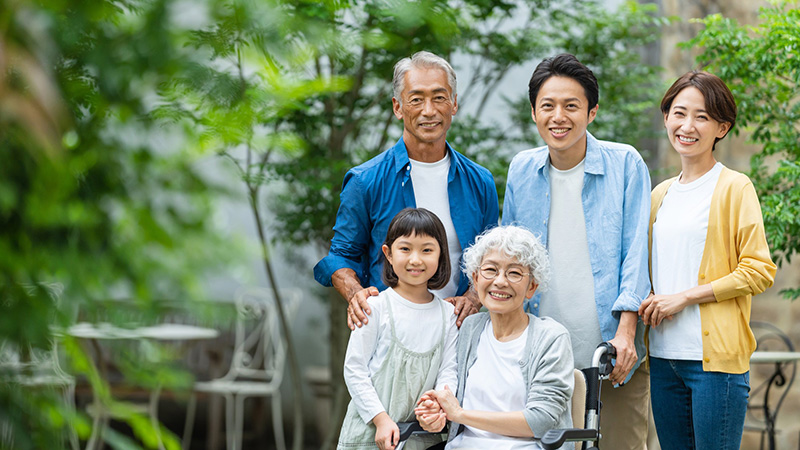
[[517, 243], [421, 59]]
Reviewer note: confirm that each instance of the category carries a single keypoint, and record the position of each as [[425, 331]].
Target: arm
[[387, 434], [754, 271], [550, 389], [448, 369], [343, 265], [656, 308], [505, 423], [623, 341], [360, 349]]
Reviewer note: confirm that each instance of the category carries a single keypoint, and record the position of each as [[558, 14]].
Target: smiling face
[[426, 108], [691, 130], [414, 259], [499, 295], [562, 114]]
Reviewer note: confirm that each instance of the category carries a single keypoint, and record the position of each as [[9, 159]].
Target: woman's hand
[[656, 308], [449, 403], [387, 435], [429, 414]]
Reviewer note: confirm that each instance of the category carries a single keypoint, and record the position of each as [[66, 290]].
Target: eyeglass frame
[[498, 271]]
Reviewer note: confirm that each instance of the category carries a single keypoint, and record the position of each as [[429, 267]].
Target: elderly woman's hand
[[429, 414], [449, 403]]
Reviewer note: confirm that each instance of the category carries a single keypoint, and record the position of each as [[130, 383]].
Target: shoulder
[[733, 179], [474, 323], [471, 168], [381, 162], [526, 160], [619, 149], [378, 302], [546, 328], [662, 187], [448, 307]]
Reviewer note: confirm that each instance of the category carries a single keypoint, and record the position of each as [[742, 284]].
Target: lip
[[429, 125], [493, 294], [415, 271], [563, 131], [682, 142]]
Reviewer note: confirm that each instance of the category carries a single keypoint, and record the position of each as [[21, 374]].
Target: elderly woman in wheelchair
[[515, 370]]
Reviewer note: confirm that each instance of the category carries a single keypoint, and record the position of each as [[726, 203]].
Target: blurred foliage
[[761, 66], [96, 192]]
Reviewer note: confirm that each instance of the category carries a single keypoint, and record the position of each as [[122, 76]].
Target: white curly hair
[[517, 243]]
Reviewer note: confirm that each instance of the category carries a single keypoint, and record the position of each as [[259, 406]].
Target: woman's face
[[690, 128], [501, 295]]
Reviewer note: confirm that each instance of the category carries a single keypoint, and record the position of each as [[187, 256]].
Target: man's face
[[562, 114], [427, 106]]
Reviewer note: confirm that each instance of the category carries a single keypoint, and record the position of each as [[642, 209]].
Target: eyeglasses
[[512, 275]]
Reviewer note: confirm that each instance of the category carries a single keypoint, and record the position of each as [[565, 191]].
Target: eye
[[440, 98], [489, 272], [701, 117], [572, 106], [415, 101], [677, 113], [514, 273], [427, 250], [403, 248]]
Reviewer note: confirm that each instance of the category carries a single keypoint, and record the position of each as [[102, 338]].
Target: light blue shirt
[[616, 207]]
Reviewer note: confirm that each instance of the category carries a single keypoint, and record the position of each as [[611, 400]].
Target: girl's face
[[414, 259], [690, 128], [502, 283]]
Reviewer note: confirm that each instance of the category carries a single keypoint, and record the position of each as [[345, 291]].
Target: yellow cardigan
[[737, 263]]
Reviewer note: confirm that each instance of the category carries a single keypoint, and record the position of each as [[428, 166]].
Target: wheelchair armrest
[[554, 439], [408, 428]]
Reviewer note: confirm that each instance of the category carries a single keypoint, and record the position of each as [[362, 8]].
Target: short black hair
[[564, 65], [418, 221]]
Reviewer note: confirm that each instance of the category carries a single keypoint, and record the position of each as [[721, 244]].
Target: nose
[[415, 259], [558, 114], [687, 124], [500, 279], [427, 108]]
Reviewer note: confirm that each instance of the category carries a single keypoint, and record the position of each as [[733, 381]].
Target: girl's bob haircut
[[418, 221], [517, 243]]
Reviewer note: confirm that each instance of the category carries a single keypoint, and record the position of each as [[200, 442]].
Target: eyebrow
[[571, 99], [685, 109], [435, 91]]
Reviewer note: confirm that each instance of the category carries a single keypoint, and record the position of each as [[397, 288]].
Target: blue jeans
[[697, 410]]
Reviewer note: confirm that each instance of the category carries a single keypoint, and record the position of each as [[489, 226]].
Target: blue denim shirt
[[374, 192], [616, 207]]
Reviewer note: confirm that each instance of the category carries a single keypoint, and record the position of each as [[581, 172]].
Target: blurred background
[[170, 171]]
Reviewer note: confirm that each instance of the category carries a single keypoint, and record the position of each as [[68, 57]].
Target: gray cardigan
[[547, 369]]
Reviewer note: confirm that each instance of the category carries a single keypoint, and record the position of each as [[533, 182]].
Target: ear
[[533, 114], [387, 252], [724, 127], [592, 114], [455, 104], [531, 289], [665, 119], [397, 109]]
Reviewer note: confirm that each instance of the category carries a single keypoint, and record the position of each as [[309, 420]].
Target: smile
[[499, 295], [429, 125], [688, 140], [559, 131]]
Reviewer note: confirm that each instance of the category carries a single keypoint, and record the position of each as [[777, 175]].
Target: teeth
[[559, 130], [686, 139], [494, 294]]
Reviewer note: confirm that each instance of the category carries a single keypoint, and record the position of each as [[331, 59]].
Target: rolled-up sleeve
[[634, 273], [351, 233], [551, 387]]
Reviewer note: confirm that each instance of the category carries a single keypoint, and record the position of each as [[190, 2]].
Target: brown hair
[[418, 221], [719, 101]]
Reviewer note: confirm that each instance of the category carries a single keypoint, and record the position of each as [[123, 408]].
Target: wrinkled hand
[[626, 357], [429, 414], [655, 308], [464, 307], [358, 308], [387, 434], [448, 402]]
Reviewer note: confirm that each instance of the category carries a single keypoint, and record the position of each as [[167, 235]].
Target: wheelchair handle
[[602, 357]]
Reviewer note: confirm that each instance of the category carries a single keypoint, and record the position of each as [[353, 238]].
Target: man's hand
[[465, 306], [387, 435], [349, 287], [626, 350]]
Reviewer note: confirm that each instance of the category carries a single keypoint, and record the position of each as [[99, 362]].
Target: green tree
[[760, 65]]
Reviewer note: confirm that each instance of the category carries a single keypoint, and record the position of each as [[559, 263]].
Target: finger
[[363, 304], [395, 436], [350, 323]]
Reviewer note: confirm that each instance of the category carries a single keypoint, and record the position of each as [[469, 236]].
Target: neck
[[693, 168], [509, 326], [425, 151], [414, 293], [568, 158]]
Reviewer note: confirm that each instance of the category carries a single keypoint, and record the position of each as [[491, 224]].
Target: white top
[[495, 383], [570, 299], [430, 192], [679, 237], [417, 327]]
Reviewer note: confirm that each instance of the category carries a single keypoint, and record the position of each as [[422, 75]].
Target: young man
[[420, 170], [590, 202]]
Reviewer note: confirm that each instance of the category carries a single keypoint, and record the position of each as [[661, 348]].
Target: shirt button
[[544, 222], [702, 276], [705, 333], [408, 167], [535, 305], [706, 359]]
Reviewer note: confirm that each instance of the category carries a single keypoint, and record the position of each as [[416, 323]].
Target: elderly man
[[420, 170], [590, 202]]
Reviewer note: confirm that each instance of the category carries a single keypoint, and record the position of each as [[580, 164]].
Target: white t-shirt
[[570, 299], [418, 327], [679, 237], [495, 383], [430, 192]]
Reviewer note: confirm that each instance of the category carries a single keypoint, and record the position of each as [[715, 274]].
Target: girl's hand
[[656, 308], [387, 435], [429, 414]]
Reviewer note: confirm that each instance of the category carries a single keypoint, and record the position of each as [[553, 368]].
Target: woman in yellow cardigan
[[709, 256]]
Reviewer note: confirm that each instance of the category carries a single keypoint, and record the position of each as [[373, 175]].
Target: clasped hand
[[435, 408]]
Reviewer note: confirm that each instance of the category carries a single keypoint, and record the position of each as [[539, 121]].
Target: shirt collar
[[401, 160], [593, 160]]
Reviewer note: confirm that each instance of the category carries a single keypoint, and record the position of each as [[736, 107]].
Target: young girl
[[408, 347]]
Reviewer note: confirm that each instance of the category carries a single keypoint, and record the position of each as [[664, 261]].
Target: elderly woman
[[514, 369]]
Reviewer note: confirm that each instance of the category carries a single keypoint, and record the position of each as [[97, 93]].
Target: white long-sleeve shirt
[[418, 327]]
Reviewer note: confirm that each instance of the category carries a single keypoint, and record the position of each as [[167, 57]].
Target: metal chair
[[256, 368], [761, 416]]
